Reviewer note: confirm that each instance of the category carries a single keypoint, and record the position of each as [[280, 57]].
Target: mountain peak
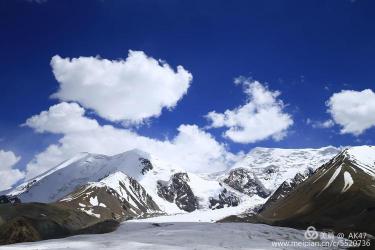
[[363, 157], [272, 166], [135, 151], [81, 169], [362, 154]]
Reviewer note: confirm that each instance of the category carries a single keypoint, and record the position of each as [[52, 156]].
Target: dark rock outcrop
[[178, 191], [225, 199], [246, 182], [147, 165]]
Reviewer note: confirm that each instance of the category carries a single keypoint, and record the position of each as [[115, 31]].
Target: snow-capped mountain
[[86, 168], [340, 196], [287, 186], [154, 179], [117, 197], [80, 170], [136, 185], [141, 184], [263, 170]]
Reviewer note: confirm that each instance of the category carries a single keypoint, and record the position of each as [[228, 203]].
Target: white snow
[[24, 186], [207, 215], [177, 236], [87, 168], [348, 182], [89, 211], [94, 201], [203, 189], [272, 166], [76, 195], [364, 154], [333, 177], [363, 157]]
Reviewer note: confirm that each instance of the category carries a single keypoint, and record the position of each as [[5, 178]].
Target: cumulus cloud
[[9, 175], [260, 118], [353, 110], [129, 90], [62, 118], [192, 148]]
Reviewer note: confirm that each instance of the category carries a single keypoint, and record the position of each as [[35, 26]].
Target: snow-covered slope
[[363, 157], [85, 168], [128, 189], [182, 236], [148, 171], [117, 197], [268, 168], [78, 171]]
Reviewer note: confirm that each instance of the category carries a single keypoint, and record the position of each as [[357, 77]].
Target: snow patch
[[348, 182], [333, 177], [90, 212], [94, 201]]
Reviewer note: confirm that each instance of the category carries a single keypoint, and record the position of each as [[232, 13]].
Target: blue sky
[[307, 50]]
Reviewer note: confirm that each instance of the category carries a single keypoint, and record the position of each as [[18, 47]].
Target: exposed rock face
[[147, 165], [243, 180], [225, 199], [178, 191]]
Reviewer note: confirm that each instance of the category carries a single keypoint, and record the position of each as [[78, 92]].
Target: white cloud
[[62, 118], [260, 118], [192, 149], [129, 90], [353, 110], [320, 124], [9, 176]]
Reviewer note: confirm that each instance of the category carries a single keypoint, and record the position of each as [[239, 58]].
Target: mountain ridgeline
[[328, 187], [338, 196]]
